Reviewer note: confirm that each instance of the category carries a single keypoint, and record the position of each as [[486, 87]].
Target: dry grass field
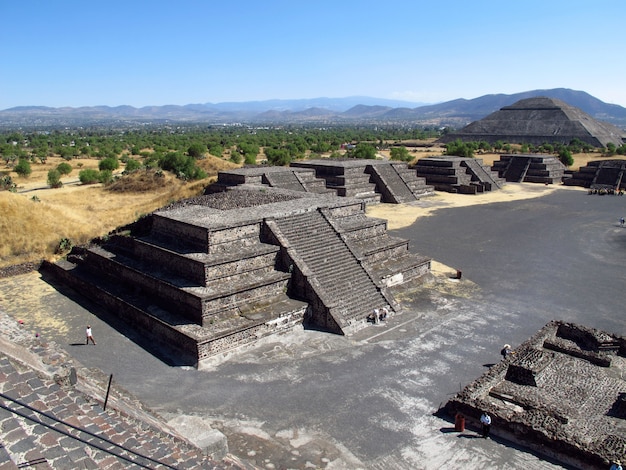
[[35, 219]]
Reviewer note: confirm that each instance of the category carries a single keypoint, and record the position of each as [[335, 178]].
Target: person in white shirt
[[89, 335], [485, 419]]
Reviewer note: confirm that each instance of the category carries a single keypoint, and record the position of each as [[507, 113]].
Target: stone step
[[47, 426]]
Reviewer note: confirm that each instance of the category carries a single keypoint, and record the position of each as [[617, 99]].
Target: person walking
[[617, 465], [485, 420], [89, 335], [621, 221]]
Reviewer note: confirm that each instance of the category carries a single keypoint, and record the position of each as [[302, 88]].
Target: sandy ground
[[404, 215]]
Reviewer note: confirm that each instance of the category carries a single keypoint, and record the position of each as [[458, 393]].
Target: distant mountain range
[[355, 109]]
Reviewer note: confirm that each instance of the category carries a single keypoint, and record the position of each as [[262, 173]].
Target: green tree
[[460, 149], [566, 157], [54, 179], [132, 165], [610, 148], [196, 150], [23, 168], [109, 163], [89, 176], [363, 150], [105, 176], [64, 168], [401, 154]]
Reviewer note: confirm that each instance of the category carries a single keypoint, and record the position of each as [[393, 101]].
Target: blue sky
[[136, 52]]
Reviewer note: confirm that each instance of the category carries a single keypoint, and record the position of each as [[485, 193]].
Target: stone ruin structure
[[372, 181], [538, 121], [458, 174], [546, 169], [600, 174], [207, 275], [562, 394]]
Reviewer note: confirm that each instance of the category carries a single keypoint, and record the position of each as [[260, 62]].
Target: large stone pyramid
[[537, 121]]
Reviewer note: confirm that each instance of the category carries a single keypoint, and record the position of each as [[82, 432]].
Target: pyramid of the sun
[[538, 121]]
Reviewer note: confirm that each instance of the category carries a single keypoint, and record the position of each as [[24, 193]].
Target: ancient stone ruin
[[561, 394], [372, 181], [458, 174], [538, 121], [207, 275], [546, 169], [600, 174]]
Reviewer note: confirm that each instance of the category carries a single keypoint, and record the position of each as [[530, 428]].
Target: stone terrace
[[372, 181], [52, 416], [562, 394], [545, 169], [458, 174], [600, 174], [214, 273]]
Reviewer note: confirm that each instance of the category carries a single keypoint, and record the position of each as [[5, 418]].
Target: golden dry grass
[[32, 229]]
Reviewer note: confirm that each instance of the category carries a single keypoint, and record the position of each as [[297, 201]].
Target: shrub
[[89, 176], [64, 246], [109, 163], [54, 178], [183, 166], [7, 184], [23, 168], [566, 157], [64, 168], [132, 165], [105, 176], [400, 153]]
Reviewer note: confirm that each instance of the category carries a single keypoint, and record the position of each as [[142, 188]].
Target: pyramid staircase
[[516, 169], [45, 425], [534, 168], [337, 278], [391, 183], [458, 174], [484, 175]]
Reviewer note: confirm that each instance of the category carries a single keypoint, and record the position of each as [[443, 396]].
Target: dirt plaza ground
[[529, 254]]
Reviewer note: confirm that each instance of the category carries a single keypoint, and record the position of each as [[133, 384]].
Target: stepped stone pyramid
[[210, 274], [538, 121], [545, 169], [458, 174], [372, 181], [600, 174]]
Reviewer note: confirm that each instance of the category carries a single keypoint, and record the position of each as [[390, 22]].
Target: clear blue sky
[[157, 52]]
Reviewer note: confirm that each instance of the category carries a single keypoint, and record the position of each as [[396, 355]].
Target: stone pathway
[[47, 421]]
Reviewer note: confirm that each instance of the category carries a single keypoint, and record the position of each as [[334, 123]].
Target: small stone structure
[[561, 394], [210, 274], [600, 174], [538, 121], [372, 181], [458, 174], [546, 169]]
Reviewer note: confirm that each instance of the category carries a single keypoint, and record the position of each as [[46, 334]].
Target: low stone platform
[[600, 174], [546, 169], [458, 174], [562, 394]]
